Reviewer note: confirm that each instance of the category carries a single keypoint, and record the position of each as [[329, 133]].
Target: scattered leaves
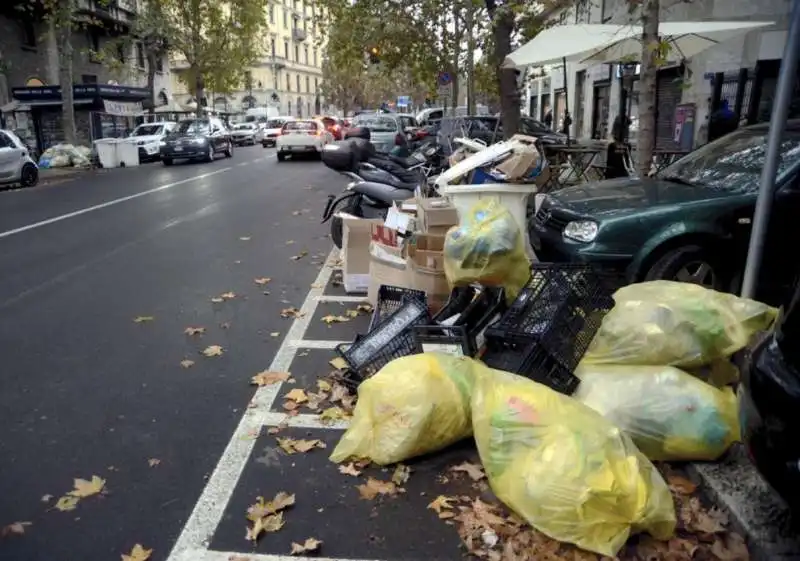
[[299, 256], [335, 319], [308, 546], [228, 295], [366, 308], [153, 462], [374, 487], [291, 313], [143, 319], [186, 363], [84, 488], [324, 385], [349, 469], [266, 516], [267, 378], [338, 363], [474, 471], [297, 395], [138, 553], [15, 528], [681, 485], [213, 350], [333, 414], [442, 504], [293, 446], [351, 313], [194, 331], [401, 475], [261, 281], [66, 503]]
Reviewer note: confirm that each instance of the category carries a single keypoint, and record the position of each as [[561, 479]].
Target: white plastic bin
[[107, 152], [128, 153], [513, 196]]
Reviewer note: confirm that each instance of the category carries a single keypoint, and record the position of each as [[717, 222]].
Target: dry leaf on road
[[474, 471], [153, 462], [335, 319], [66, 503], [299, 256], [333, 414], [266, 378], [311, 544], [366, 308], [291, 313], [401, 475], [266, 516], [217, 299], [324, 385], [338, 363], [681, 485], [186, 363], [213, 350], [138, 553], [349, 469], [143, 319], [374, 487], [351, 313], [297, 395], [228, 295], [261, 281], [293, 446], [14, 528], [442, 503], [194, 330], [85, 488], [46, 498], [271, 523]]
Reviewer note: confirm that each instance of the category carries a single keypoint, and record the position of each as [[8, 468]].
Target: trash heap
[[570, 387], [65, 155]]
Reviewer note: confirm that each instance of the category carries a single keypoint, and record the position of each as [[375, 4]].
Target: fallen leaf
[[194, 330], [85, 488], [138, 553], [217, 299], [374, 487], [213, 350], [338, 363], [290, 405], [245, 238], [311, 544], [730, 547], [315, 399], [292, 446], [261, 281], [143, 319], [271, 523], [14, 528], [297, 395], [46, 498], [442, 503], [335, 319], [153, 462], [228, 295], [351, 313], [263, 508], [681, 485], [186, 363], [474, 471], [316, 285], [267, 378], [401, 475], [291, 313], [324, 385], [333, 414], [349, 469], [299, 256], [366, 308], [66, 503]]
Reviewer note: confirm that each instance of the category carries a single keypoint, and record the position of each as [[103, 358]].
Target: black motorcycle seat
[[405, 162], [404, 185], [395, 169], [383, 192]]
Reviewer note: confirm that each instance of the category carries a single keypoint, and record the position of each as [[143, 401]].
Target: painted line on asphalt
[[304, 421], [311, 344], [208, 555], [240, 164], [207, 513], [329, 298], [108, 204]]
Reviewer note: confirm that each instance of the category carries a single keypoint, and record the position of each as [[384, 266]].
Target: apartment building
[[742, 71], [288, 75], [107, 97]]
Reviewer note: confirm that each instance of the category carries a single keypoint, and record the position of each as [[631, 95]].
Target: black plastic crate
[[478, 308], [390, 339], [390, 299]]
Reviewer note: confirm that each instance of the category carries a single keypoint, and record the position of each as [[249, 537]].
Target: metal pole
[[566, 96], [766, 193]]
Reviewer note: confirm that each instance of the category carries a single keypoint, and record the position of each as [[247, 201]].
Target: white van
[[260, 114]]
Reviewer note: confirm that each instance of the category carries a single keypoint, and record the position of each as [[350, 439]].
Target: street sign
[[403, 100], [444, 79]]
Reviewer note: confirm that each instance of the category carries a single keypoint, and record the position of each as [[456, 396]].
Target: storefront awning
[[14, 106], [614, 43]]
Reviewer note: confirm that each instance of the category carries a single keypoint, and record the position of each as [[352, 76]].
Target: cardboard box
[[524, 159], [436, 215], [426, 261], [356, 236], [387, 265]]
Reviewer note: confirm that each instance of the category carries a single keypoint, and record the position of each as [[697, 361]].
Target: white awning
[[614, 43]]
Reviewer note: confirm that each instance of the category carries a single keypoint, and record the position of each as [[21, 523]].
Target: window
[[159, 64], [603, 17], [305, 55], [286, 49], [28, 34], [295, 22], [272, 14], [285, 17], [316, 84], [5, 142], [308, 84], [139, 55], [272, 47], [297, 80], [121, 53], [296, 53], [315, 57], [94, 46], [288, 83], [88, 78]]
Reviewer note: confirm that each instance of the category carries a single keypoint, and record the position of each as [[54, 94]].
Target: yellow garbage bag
[[678, 324], [487, 247], [564, 468], [412, 406], [670, 415]]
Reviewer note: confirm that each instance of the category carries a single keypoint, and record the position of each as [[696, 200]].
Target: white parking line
[[207, 513], [273, 419], [107, 204], [310, 344], [206, 555]]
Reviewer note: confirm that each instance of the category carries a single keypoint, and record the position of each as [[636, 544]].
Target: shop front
[[101, 111], [600, 77]]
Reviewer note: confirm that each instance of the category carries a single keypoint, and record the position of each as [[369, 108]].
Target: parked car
[[306, 137], [691, 222], [148, 137], [244, 133], [272, 130], [386, 130], [197, 139], [16, 164]]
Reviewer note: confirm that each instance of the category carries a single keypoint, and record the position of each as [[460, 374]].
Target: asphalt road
[[85, 390]]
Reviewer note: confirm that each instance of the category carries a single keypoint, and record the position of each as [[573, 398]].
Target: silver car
[[386, 131], [244, 133]]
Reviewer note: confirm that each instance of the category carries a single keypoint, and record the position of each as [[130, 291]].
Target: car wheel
[[229, 150], [210, 155], [167, 161], [281, 156], [29, 176], [692, 264]]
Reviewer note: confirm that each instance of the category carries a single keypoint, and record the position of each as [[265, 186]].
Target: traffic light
[[374, 55]]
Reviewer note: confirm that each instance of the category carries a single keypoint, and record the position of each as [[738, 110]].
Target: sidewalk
[[52, 176]]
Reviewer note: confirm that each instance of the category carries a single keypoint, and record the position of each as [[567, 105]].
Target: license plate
[[178, 149]]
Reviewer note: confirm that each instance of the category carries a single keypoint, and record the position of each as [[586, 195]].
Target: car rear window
[[376, 124], [300, 126]]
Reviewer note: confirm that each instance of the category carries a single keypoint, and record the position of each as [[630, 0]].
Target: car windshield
[[734, 162], [301, 126], [193, 127], [147, 130], [244, 127], [275, 123], [376, 124]]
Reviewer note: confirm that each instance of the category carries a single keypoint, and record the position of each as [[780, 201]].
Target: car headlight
[[581, 231], [199, 141], [162, 143]]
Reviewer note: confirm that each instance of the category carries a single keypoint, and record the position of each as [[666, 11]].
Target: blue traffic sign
[[444, 78], [404, 100]]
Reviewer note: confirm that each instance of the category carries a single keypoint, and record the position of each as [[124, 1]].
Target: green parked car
[[690, 223]]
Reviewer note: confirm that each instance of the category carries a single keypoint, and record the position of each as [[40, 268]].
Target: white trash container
[[127, 153], [513, 196], [107, 152]]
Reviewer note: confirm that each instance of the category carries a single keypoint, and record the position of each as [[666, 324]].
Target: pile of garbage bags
[[66, 155], [577, 468]]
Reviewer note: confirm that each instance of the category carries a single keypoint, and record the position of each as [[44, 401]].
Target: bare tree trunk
[[61, 20], [502, 29], [199, 89], [647, 86], [455, 53], [471, 44], [152, 58]]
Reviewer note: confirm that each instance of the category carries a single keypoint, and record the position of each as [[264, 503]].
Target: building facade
[[288, 75], [741, 71], [30, 97]]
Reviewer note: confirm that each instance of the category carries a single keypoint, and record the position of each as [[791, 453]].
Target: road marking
[[107, 204], [242, 164], [207, 555], [310, 344], [334, 298], [304, 421], [207, 513]]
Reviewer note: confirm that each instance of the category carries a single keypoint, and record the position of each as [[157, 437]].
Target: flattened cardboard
[[436, 215], [356, 236], [387, 266]]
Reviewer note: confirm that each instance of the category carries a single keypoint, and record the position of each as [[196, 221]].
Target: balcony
[[299, 34], [109, 11]]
